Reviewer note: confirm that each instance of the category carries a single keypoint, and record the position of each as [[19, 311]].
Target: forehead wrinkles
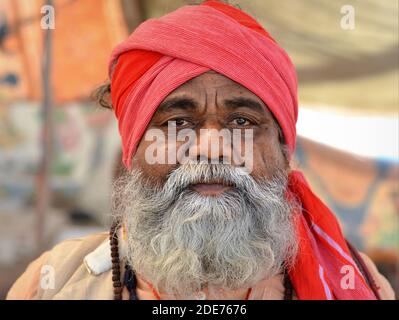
[[210, 82]]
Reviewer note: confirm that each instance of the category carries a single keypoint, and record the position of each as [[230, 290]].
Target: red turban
[[162, 54]]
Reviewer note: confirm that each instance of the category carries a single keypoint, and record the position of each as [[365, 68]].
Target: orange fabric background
[[85, 33]]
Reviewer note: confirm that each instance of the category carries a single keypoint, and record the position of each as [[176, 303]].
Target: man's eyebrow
[[244, 102], [183, 103]]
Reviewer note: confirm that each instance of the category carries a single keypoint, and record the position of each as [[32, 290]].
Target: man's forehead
[[212, 83], [210, 79]]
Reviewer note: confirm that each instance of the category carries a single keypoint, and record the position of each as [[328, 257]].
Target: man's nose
[[213, 143]]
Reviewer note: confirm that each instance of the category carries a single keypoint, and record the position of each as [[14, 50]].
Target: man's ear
[[286, 154], [102, 95]]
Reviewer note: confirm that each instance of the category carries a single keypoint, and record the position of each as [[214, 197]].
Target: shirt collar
[[99, 260]]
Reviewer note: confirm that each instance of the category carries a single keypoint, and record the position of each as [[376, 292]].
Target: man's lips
[[211, 188]]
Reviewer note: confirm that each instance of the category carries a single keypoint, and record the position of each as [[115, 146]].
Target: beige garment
[[82, 271]]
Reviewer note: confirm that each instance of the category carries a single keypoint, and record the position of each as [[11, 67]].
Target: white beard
[[181, 241]]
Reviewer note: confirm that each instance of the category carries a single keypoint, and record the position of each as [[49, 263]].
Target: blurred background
[[59, 152]]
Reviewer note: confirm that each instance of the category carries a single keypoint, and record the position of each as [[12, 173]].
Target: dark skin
[[213, 101]]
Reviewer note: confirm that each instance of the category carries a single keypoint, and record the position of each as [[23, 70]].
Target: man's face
[[213, 102], [196, 224]]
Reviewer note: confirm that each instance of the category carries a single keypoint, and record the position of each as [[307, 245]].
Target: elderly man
[[233, 222]]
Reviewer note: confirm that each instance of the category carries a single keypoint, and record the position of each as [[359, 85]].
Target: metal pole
[[44, 172]]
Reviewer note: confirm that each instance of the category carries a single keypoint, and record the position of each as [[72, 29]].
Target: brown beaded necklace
[[130, 278], [116, 269]]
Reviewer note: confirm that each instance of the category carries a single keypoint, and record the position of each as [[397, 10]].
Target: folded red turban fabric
[[162, 54]]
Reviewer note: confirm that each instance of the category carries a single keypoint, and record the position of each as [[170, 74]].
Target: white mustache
[[194, 173]]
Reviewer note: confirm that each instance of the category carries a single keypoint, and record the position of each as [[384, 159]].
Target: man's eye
[[178, 122], [240, 121]]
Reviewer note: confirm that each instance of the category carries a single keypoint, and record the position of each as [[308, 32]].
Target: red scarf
[[162, 54]]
